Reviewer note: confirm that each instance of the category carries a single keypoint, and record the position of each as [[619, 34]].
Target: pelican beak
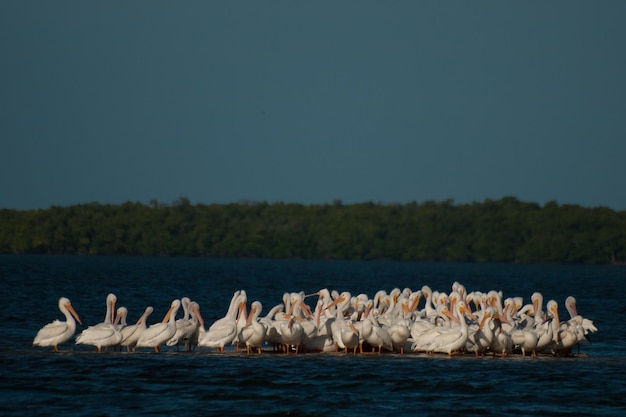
[[306, 309], [250, 316], [451, 316], [555, 313], [71, 310], [470, 313], [368, 309], [482, 322], [196, 311], [354, 330], [112, 311], [415, 303], [338, 300], [167, 315]]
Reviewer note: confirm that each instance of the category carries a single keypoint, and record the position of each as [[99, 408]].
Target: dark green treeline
[[505, 230]]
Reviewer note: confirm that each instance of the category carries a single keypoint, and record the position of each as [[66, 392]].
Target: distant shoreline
[[506, 230]]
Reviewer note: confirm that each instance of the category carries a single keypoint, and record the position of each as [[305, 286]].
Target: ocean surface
[[79, 381]]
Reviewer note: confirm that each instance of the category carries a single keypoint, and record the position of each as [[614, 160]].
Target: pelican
[[564, 336], [317, 339], [526, 339], [183, 322], [253, 333], [502, 343], [272, 335], [130, 334], [291, 332], [109, 316], [160, 333], [480, 339], [374, 335], [224, 330], [399, 328], [57, 332], [187, 328], [581, 324], [101, 336], [455, 338], [345, 335], [423, 335]]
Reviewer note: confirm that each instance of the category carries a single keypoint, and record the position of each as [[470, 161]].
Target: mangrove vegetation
[[505, 230]]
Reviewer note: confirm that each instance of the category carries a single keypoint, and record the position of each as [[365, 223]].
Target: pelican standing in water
[[253, 333], [131, 334], [187, 329], [224, 330], [103, 334], [57, 332], [159, 333]]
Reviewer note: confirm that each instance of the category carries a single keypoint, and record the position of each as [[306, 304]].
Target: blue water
[[78, 381]]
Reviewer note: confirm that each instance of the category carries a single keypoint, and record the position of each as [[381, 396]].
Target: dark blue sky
[[308, 102]]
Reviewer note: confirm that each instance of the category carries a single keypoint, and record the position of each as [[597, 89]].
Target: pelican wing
[[50, 331], [218, 335]]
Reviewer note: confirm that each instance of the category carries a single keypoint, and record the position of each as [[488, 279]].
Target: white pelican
[[399, 328], [564, 337], [195, 314], [109, 316], [107, 333], [429, 312], [120, 318], [501, 343], [101, 335], [242, 319], [57, 332], [253, 333], [272, 335], [187, 328], [159, 333], [480, 339], [130, 334], [224, 330], [582, 325], [177, 339], [455, 339], [422, 333], [526, 340], [374, 335], [345, 335], [318, 339], [291, 333]]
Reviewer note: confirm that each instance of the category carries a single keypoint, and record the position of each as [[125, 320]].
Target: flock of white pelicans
[[458, 322]]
